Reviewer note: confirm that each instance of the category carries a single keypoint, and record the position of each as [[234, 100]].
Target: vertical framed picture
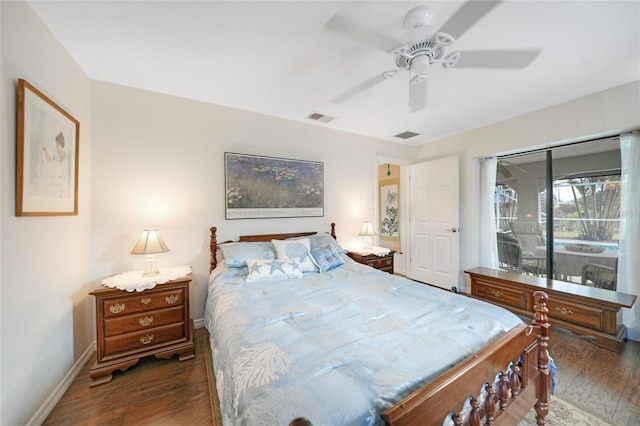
[[267, 187], [389, 208], [47, 147]]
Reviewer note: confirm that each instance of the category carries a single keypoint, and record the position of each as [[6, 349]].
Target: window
[[585, 201]]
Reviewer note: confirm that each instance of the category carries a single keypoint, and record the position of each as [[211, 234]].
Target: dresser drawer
[[586, 316], [142, 302], [144, 340], [506, 296], [142, 321]]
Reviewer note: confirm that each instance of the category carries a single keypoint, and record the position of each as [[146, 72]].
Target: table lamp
[[149, 244], [367, 232]]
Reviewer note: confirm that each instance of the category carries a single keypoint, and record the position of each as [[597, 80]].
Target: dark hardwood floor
[[169, 392], [601, 382], [152, 392]]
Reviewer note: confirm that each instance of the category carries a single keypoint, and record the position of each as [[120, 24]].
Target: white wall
[[46, 314], [158, 161], [605, 113]]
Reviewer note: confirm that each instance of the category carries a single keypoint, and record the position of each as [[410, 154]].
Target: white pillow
[[296, 249], [267, 269]]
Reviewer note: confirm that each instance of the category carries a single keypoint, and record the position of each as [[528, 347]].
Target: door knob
[[454, 230]]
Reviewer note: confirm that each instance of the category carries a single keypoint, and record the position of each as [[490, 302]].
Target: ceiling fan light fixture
[[420, 64]]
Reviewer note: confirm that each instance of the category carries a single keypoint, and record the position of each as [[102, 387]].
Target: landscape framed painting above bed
[[269, 187]]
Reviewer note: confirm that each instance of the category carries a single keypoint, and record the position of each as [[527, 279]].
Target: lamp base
[[150, 266], [367, 242]]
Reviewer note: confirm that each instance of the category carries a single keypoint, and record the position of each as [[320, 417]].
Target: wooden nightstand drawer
[[142, 302], [577, 314], [503, 295], [144, 340], [385, 263], [142, 321]]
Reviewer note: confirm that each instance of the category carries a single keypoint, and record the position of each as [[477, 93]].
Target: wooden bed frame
[[527, 386]]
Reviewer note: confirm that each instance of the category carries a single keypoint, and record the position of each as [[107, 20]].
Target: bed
[[348, 344]]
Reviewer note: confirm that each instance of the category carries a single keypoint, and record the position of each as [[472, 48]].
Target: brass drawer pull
[[388, 262], [171, 299], [145, 301], [117, 308], [146, 339], [565, 311], [497, 293], [146, 321]]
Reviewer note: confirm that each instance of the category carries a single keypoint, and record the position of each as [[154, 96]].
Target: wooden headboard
[[213, 242]]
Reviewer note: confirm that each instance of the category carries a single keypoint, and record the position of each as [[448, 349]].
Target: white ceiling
[[275, 58]]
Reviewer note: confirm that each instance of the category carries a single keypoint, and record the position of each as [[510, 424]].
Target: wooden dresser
[[133, 325], [580, 309], [384, 263]]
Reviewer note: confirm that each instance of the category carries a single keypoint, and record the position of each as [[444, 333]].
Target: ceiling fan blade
[[502, 169], [496, 58], [347, 26], [418, 95], [363, 86], [507, 163], [470, 13]]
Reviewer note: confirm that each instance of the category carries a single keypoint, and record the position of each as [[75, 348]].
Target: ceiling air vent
[[406, 135], [316, 116]]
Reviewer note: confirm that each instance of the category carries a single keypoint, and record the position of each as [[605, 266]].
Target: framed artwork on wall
[[47, 147], [389, 196], [258, 187]]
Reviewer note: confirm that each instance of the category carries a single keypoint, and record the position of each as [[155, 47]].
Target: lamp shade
[[150, 242], [367, 230]]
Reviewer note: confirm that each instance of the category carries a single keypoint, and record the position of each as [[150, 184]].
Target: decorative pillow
[[236, 254], [296, 249], [326, 258], [323, 240], [267, 269]]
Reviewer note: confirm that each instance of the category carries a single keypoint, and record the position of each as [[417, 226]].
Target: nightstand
[[383, 263], [133, 325]]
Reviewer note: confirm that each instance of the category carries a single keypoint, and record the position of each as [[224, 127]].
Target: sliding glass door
[[578, 241]]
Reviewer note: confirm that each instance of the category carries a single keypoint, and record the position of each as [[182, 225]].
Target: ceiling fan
[[428, 47], [503, 168]]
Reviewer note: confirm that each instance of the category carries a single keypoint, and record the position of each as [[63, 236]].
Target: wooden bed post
[[542, 320], [213, 242], [333, 231]]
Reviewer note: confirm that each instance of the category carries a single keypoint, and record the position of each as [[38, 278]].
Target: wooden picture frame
[[47, 148], [258, 187]]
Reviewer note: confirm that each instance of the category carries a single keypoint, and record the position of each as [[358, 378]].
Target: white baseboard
[[198, 323], [49, 404]]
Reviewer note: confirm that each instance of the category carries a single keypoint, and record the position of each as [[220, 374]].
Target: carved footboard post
[[541, 319]]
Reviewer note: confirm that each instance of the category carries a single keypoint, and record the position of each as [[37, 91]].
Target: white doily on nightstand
[[134, 281]]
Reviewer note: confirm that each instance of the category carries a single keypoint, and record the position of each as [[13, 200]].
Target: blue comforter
[[337, 347]]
